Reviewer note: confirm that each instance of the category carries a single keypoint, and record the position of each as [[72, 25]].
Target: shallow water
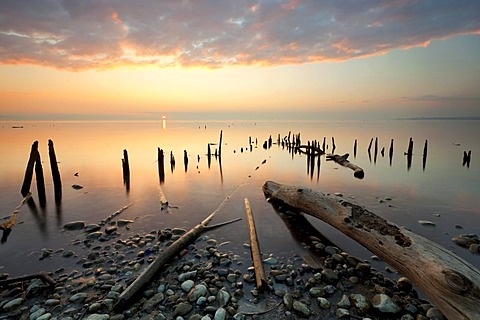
[[442, 191]]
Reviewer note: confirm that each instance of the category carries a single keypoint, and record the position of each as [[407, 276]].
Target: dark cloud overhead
[[71, 34]]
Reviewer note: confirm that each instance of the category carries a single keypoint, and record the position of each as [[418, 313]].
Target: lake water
[[442, 190]]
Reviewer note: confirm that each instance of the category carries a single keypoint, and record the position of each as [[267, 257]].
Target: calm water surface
[[442, 191]]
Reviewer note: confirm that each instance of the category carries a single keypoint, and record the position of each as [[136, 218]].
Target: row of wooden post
[[35, 162]]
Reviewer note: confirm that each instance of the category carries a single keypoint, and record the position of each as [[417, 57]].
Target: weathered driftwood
[[451, 283], [342, 160], [261, 280], [309, 149], [171, 251], [42, 275]]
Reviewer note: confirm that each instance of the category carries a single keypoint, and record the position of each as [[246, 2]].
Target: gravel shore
[[206, 281]]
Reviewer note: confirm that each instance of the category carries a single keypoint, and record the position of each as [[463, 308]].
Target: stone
[[288, 301], [38, 313], [301, 308], [13, 304], [223, 297], [199, 290], [110, 229], [220, 314], [427, 223], [78, 297], [45, 316], [91, 228], [323, 303], [342, 313], [344, 302], [187, 285], [94, 307], [74, 225], [435, 314], [404, 284], [182, 309], [329, 276], [270, 261], [384, 303], [152, 302], [316, 292], [360, 302], [96, 316], [94, 235], [35, 287]]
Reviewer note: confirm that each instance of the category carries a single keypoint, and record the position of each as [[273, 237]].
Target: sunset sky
[[113, 59]]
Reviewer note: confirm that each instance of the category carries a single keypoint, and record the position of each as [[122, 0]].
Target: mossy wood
[[450, 282]]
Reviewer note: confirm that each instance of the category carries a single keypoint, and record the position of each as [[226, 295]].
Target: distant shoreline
[[440, 118]]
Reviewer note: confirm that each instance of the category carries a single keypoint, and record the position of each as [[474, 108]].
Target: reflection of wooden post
[[260, 277], [42, 197], [125, 167], [27, 180], [57, 182], [161, 165]]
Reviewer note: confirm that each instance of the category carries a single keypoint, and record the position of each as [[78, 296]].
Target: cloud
[[87, 34]]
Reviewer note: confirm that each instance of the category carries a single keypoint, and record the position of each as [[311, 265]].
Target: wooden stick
[[450, 282], [342, 160], [220, 145], [42, 275], [261, 280], [57, 181], [27, 180], [171, 251]]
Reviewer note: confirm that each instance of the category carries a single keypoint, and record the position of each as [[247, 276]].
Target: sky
[[120, 59]]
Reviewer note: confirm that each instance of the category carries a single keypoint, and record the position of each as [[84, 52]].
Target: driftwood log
[[342, 160], [261, 280], [451, 283], [171, 251]]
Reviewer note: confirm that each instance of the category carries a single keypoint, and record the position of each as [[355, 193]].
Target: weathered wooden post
[[370, 145], [355, 149], [42, 197], [424, 157], [323, 145], [126, 167], [220, 145], [27, 180], [410, 147], [375, 150], [390, 152], [467, 157], [161, 165], [333, 145], [57, 181], [185, 159]]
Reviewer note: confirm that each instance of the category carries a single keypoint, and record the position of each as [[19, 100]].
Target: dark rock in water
[[466, 240], [123, 222], [77, 187], [110, 229], [92, 228], [75, 225]]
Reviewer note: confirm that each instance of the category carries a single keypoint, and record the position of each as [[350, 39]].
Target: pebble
[[427, 223], [360, 302], [301, 308], [324, 303], [74, 225], [384, 303], [187, 285], [78, 297], [220, 314], [96, 316], [13, 304]]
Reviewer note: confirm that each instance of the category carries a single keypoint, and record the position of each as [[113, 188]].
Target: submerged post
[[220, 145], [57, 182]]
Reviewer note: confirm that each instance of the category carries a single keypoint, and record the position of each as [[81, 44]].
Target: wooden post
[[425, 147], [161, 165], [185, 159], [125, 166], [370, 145], [220, 144], [323, 145], [355, 149], [27, 180], [410, 147], [42, 197], [261, 280], [57, 181], [390, 152], [450, 282], [333, 145]]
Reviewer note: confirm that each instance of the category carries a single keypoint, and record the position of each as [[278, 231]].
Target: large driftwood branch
[[261, 280], [170, 252], [342, 160], [450, 282]]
